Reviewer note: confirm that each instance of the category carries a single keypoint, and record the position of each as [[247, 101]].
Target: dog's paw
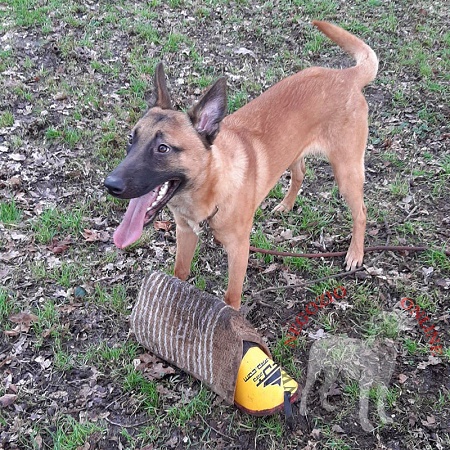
[[353, 260], [303, 408], [386, 419], [328, 407], [366, 425], [280, 208]]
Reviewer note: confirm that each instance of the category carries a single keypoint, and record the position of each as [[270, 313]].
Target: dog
[[370, 365], [208, 167]]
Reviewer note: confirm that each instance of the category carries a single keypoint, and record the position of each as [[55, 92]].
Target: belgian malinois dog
[[205, 166]]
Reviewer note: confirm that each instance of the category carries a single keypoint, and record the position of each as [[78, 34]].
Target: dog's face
[[167, 150]]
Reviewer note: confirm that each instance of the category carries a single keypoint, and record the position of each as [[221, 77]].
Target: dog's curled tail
[[366, 60]]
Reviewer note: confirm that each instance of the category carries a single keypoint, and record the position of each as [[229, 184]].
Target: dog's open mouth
[[141, 211]]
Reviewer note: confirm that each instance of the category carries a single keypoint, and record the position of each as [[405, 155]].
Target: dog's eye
[[163, 148], [130, 139]]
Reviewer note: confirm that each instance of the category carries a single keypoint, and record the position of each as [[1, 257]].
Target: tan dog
[[182, 160]]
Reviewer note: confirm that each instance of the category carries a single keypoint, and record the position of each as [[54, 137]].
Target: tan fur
[[316, 110]]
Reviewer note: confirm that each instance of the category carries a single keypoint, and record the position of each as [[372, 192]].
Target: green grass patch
[[436, 258], [48, 318], [57, 222], [200, 404], [10, 212], [145, 389], [236, 100], [6, 305], [114, 298], [66, 274], [6, 119], [259, 239], [72, 435]]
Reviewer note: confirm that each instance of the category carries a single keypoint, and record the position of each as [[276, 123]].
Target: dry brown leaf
[[61, 246], [402, 378], [24, 318], [14, 332], [152, 367], [95, 235], [7, 399], [163, 225]]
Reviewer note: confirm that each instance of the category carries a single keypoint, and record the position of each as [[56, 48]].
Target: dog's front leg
[[237, 248], [186, 242]]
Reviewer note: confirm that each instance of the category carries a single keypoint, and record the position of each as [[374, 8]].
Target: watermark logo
[[311, 308], [421, 317], [371, 365]]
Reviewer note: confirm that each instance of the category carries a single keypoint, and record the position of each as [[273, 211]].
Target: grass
[[55, 222], [6, 305], [200, 404], [6, 119], [114, 298], [146, 390], [71, 435], [10, 213]]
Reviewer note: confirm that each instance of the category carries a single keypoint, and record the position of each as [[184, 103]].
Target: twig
[[312, 282], [212, 428], [379, 248]]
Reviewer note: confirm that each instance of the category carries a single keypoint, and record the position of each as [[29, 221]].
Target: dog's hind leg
[[350, 179], [298, 170]]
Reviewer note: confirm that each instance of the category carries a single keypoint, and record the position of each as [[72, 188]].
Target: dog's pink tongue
[[130, 229]]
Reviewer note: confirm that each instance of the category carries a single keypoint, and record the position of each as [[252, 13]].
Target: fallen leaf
[[24, 318], [315, 433], [17, 157], [58, 247], [310, 445], [430, 422], [337, 429], [271, 268], [286, 234], [443, 283], [163, 225], [402, 378], [319, 334], [245, 51], [60, 96], [152, 367], [95, 235], [7, 399]]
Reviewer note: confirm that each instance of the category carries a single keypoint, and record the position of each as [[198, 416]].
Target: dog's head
[[166, 150]]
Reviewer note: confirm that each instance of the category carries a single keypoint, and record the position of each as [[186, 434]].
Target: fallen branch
[[380, 248]]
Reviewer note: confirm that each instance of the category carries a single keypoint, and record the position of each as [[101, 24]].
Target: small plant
[[259, 239], [200, 404], [135, 381], [6, 305], [53, 222], [6, 119], [399, 187], [9, 212], [71, 435], [236, 100], [116, 298]]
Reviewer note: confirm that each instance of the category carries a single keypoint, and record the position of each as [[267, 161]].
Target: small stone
[[79, 292]]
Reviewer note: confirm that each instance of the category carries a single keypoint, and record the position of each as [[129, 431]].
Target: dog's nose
[[115, 185]]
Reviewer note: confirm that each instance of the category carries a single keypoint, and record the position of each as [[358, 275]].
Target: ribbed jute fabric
[[192, 330]]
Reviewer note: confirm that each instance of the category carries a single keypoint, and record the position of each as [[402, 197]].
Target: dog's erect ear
[[161, 91], [207, 114]]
